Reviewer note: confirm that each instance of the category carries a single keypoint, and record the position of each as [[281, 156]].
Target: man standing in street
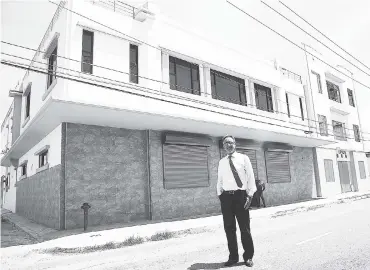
[[235, 188]]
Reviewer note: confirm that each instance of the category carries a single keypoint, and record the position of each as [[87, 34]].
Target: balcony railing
[[116, 6], [291, 75]]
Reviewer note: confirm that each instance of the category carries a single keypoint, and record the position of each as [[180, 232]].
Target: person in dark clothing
[[259, 193]]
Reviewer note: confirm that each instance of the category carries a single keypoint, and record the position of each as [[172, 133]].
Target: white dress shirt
[[243, 166]]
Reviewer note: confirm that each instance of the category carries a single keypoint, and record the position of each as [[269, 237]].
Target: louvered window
[[185, 162], [278, 167]]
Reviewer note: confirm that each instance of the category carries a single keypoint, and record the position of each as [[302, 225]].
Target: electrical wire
[[323, 34], [57, 74], [314, 37], [295, 44], [177, 86]]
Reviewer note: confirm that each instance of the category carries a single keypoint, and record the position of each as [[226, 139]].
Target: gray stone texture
[[38, 197], [105, 167], [184, 202], [302, 177]]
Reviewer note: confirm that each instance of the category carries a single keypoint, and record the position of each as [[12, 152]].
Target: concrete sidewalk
[[120, 232]]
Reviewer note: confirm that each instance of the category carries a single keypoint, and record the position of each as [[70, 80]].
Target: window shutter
[[185, 166], [278, 167], [329, 170], [253, 158], [361, 167]]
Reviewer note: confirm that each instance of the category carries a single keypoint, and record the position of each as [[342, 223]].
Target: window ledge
[[23, 177], [47, 92], [43, 168], [42, 150], [26, 121]]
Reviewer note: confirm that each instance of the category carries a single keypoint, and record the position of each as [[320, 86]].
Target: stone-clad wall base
[[105, 167], [38, 197]]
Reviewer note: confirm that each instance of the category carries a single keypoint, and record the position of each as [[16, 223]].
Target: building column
[[251, 94], [207, 85], [165, 72]]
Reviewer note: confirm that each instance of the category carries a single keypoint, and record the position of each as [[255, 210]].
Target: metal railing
[[291, 75], [116, 6]]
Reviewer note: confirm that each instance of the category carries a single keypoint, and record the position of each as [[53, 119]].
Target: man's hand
[[248, 202]]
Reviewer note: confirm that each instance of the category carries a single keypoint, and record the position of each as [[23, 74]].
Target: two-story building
[[126, 114], [340, 167]]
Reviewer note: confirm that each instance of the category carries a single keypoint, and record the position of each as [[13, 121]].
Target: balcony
[[290, 75], [138, 13]]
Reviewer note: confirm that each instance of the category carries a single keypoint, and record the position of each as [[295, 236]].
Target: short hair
[[228, 136]]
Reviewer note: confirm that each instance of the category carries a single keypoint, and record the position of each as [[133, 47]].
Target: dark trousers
[[232, 205]]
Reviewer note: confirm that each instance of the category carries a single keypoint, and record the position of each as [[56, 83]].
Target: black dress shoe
[[231, 262], [249, 263]]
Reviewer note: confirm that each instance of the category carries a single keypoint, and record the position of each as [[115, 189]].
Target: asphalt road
[[335, 237]]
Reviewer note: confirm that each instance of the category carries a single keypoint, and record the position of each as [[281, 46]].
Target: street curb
[[318, 205]]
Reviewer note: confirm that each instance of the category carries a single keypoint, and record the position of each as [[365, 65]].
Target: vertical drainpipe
[[148, 173]]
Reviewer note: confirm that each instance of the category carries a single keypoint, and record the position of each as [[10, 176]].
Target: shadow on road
[[199, 266]]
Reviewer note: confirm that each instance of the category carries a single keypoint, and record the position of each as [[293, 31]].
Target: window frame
[[301, 107], [27, 104], [43, 158], [53, 58], [351, 98], [269, 102], [318, 80], [337, 91], [325, 130], [24, 169], [178, 140], [134, 77], [362, 173], [83, 62], [344, 134], [267, 166], [356, 133], [287, 103], [243, 101], [332, 174], [194, 67]]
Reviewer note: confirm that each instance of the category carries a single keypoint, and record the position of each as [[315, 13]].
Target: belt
[[231, 192]]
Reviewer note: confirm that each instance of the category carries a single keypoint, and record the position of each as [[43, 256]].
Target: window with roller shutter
[[251, 153], [185, 162], [277, 167]]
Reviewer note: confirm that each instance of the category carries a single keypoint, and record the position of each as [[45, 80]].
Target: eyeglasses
[[229, 142]]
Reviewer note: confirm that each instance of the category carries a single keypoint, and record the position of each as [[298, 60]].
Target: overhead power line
[[158, 81], [295, 44], [129, 86], [189, 99], [138, 87], [314, 38], [323, 34], [78, 79]]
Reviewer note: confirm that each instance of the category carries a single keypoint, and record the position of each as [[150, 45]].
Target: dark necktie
[[235, 173]]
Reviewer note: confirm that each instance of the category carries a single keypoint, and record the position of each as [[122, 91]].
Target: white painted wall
[[328, 188], [9, 197], [38, 80], [363, 184], [111, 49], [322, 103], [53, 139]]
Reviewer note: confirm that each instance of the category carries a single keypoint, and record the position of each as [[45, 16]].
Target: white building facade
[[128, 118], [341, 167]]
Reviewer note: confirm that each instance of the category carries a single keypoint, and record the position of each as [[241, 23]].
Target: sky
[[344, 21]]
